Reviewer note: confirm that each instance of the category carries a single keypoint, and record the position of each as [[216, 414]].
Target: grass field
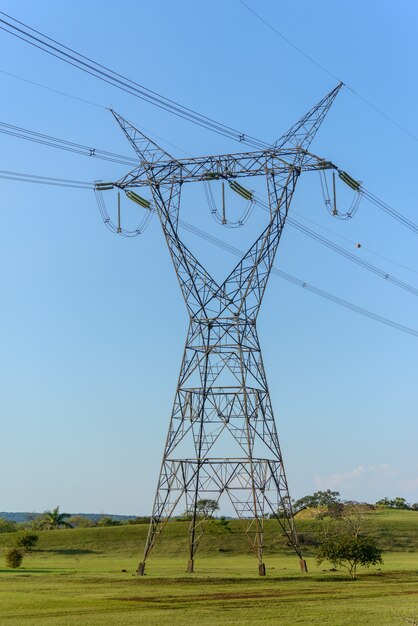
[[76, 578]]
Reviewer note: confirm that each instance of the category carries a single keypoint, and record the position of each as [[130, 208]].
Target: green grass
[[75, 578]]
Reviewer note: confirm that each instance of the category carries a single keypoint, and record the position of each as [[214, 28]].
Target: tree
[[396, 503], [400, 503], [319, 498], [219, 528], [27, 541], [353, 516], [6, 526], [51, 520], [345, 550], [80, 521], [13, 557], [206, 508]]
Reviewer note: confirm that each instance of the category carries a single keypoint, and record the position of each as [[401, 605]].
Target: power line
[[47, 180], [116, 79], [85, 150], [390, 211], [61, 93], [70, 146], [351, 241], [354, 259], [107, 75], [61, 182], [342, 252], [327, 71], [300, 283], [64, 144]]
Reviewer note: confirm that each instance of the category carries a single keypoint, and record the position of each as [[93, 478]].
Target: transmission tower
[[222, 437]]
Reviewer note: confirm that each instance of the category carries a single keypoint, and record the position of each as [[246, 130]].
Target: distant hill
[[395, 531], [21, 516]]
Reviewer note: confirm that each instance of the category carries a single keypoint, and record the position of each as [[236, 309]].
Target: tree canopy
[[53, 519], [349, 551], [319, 498]]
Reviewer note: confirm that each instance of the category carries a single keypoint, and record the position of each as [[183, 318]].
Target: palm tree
[[54, 519]]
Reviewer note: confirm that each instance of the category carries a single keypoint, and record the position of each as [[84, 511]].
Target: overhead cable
[[300, 283], [383, 206], [100, 71], [46, 180], [327, 71], [63, 144], [342, 252], [72, 57], [61, 182]]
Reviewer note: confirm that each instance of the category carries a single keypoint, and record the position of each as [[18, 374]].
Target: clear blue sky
[[92, 326]]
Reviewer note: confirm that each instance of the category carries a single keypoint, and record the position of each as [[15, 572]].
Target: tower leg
[[141, 569]]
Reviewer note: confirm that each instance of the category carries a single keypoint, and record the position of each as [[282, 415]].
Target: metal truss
[[222, 440]]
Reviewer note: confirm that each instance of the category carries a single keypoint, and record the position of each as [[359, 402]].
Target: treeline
[[331, 499], [54, 519]]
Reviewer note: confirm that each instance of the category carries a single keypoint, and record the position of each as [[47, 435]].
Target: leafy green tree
[[53, 519], [396, 503], [347, 551], [326, 498], [6, 526], [383, 502], [13, 557], [400, 503], [27, 542], [206, 507]]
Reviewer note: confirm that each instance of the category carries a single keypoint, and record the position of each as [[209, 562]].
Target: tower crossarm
[[223, 167]]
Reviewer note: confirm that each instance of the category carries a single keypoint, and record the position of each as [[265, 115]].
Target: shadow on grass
[[68, 551], [22, 572]]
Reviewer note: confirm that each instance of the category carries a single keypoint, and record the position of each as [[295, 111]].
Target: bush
[[348, 551], [27, 542], [6, 526], [13, 557]]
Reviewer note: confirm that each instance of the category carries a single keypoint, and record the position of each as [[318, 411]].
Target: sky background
[[92, 326]]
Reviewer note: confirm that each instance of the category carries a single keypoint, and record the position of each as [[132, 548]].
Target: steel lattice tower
[[222, 399]]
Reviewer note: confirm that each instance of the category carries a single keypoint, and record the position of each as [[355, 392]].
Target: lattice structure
[[222, 439]]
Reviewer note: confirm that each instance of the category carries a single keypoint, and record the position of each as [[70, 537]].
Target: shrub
[[13, 557], [27, 542], [6, 526]]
